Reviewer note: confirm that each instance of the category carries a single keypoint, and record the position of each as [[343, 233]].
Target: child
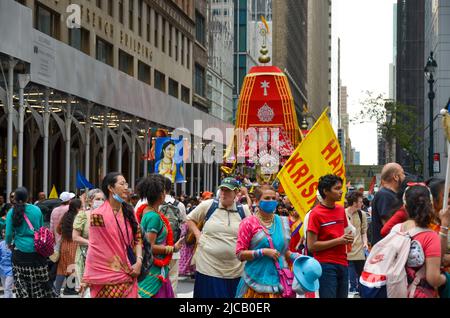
[[6, 273]]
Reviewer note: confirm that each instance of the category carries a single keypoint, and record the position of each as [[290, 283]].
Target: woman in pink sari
[[114, 257]]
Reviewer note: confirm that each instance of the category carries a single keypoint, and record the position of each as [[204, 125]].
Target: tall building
[[345, 122], [220, 49], [410, 64], [200, 97], [357, 159], [89, 91], [319, 55], [247, 39], [290, 46], [437, 40], [393, 65]]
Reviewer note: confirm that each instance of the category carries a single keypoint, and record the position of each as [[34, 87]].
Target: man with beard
[[386, 199]]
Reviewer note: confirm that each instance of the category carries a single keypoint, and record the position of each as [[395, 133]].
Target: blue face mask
[[268, 206], [118, 198]]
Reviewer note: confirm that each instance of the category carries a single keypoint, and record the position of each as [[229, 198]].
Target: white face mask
[[96, 204]]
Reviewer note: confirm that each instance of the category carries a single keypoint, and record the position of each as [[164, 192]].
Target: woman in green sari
[[158, 232]]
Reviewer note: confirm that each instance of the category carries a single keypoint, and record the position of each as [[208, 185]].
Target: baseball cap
[[66, 196], [230, 183]]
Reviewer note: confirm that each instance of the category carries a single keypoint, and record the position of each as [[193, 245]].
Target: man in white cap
[[58, 213]]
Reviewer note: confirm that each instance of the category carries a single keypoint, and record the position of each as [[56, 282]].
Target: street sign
[[437, 163]]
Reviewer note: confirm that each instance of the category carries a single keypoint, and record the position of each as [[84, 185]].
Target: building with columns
[[82, 98]]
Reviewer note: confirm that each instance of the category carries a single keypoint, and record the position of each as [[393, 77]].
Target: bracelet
[[444, 228], [141, 258], [443, 234], [258, 253]]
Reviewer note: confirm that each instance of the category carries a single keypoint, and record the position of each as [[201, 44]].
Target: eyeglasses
[[123, 184]]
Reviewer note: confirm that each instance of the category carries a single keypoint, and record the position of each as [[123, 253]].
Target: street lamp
[[430, 69]]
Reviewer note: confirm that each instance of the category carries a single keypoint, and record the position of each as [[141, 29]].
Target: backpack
[[172, 212], [44, 241], [384, 274], [190, 237]]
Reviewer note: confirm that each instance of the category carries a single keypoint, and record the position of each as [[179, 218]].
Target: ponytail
[[21, 195]]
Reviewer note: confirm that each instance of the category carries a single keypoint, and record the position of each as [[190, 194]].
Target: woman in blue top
[[29, 268], [260, 278]]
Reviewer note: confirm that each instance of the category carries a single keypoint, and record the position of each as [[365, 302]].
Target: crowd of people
[[244, 241]]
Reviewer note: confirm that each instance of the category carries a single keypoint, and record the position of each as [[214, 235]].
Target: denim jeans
[[334, 281], [8, 284], [355, 268]]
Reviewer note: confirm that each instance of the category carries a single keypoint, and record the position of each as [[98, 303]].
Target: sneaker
[[353, 294]]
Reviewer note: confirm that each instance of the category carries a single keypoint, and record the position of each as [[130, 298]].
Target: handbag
[[44, 241], [285, 275]]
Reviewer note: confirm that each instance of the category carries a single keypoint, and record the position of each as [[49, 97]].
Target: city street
[[185, 287]]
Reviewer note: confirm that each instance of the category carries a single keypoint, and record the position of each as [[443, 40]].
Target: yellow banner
[[317, 155]]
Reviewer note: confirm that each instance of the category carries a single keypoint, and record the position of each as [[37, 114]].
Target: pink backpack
[[44, 241], [384, 274]]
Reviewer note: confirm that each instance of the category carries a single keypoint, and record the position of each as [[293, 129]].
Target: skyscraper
[[247, 38], [290, 46], [220, 57], [410, 76], [437, 40], [319, 55]]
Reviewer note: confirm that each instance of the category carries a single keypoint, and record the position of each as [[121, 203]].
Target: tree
[[397, 124]]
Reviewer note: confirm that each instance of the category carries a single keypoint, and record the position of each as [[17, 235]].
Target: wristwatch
[[141, 258]]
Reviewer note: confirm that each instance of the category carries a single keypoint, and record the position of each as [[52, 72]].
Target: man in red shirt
[[327, 240]]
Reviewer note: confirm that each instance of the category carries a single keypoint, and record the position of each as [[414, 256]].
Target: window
[[160, 81], [156, 29], [99, 3], [177, 39], [121, 11], [188, 58], [144, 72], [173, 88], [47, 21], [111, 7], [79, 39], [104, 51], [199, 80], [126, 63], [185, 94], [182, 49], [163, 37], [140, 8], [149, 21], [130, 15], [170, 39], [200, 28]]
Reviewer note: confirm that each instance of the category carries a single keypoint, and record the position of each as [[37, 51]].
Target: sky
[[365, 28]]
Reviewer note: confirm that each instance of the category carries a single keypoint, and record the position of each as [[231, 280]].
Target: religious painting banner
[[169, 158]]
